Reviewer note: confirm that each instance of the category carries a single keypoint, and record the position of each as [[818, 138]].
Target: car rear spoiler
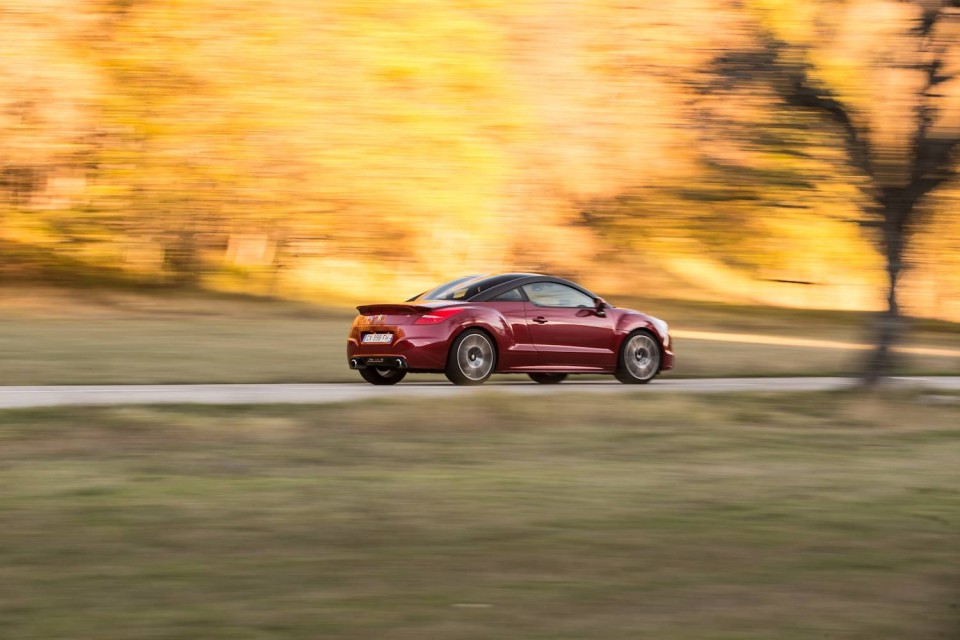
[[392, 309]]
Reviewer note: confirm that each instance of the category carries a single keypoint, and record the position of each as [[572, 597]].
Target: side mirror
[[599, 307]]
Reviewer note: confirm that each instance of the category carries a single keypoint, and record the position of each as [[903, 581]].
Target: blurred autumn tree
[[45, 124], [883, 75]]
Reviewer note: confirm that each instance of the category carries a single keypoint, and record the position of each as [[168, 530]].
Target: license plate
[[378, 338]]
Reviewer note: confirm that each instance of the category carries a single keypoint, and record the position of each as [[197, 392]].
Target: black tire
[[472, 358], [548, 378], [383, 376], [639, 359]]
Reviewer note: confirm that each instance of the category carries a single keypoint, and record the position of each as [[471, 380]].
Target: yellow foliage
[[364, 144]]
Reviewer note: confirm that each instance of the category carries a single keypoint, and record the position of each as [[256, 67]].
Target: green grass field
[[749, 517], [91, 336]]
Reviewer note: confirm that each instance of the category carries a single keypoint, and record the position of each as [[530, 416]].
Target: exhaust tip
[[401, 363], [354, 364]]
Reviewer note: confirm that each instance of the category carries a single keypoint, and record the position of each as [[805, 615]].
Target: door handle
[[540, 320]]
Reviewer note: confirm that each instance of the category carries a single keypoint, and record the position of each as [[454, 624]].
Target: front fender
[[635, 321], [630, 322]]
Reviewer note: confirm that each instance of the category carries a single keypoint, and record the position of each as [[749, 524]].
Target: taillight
[[436, 317]]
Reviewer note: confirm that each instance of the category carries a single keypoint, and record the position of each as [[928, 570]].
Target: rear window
[[454, 290], [464, 288]]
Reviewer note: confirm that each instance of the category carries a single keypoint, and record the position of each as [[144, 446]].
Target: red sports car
[[539, 325]]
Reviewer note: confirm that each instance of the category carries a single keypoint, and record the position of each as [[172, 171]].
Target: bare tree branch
[[799, 93]]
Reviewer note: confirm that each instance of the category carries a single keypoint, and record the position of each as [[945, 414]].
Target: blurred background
[[343, 150], [199, 191]]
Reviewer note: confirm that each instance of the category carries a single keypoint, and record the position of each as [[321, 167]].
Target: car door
[[565, 328], [520, 352]]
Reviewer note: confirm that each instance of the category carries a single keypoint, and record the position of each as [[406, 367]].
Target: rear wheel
[[382, 376], [472, 358], [548, 378], [639, 359]]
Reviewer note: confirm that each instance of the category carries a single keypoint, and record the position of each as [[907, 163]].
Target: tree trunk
[[889, 325], [180, 260]]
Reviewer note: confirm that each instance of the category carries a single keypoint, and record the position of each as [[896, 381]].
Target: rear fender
[[491, 321]]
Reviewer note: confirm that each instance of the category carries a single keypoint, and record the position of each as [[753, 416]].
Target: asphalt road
[[16, 397]]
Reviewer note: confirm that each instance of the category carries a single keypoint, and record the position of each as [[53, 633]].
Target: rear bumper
[[418, 348], [379, 362]]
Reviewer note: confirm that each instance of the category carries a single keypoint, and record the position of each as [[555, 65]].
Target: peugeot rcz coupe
[[473, 327]]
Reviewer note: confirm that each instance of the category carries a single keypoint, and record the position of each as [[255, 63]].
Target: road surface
[[16, 397]]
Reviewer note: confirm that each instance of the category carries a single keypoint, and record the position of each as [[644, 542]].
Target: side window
[[552, 294], [513, 295]]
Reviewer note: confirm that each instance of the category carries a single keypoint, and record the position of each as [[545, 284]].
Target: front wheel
[[472, 358], [382, 376], [639, 359], [548, 378]]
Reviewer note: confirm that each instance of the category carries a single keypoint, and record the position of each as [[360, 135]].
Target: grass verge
[[91, 336], [766, 516]]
